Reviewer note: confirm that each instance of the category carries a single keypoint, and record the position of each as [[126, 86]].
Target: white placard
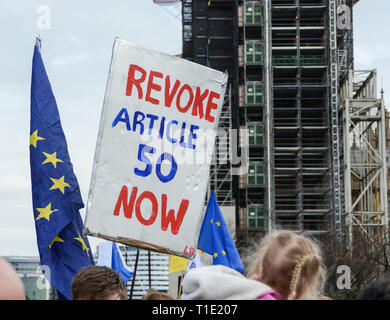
[[154, 147]]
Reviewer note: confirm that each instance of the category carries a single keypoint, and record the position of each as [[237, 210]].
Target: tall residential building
[[285, 60]]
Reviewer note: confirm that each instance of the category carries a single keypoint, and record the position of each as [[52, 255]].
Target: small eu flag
[[55, 191], [110, 256], [119, 264], [215, 238]]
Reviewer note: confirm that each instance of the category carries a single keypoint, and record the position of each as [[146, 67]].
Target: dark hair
[[377, 290], [157, 295], [97, 283]]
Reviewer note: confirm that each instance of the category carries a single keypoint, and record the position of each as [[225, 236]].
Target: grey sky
[[76, 51], [371, 40]]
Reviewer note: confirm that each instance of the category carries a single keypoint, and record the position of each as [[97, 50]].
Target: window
[[255, 216], [253, 92], [256, 134], [253, 52], [255, 176], [252, 12]]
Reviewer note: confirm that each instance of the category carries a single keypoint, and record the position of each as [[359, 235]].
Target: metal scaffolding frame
[[363, 117], [220, 180], [208, 40], [334, 86], [300, 147], [304, 61], [269, 116], [345, 38]]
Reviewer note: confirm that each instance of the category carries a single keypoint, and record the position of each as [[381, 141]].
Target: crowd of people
[[285, 266]]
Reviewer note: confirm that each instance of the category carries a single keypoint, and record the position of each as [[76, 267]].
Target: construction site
[[307, 141], [310, 131]]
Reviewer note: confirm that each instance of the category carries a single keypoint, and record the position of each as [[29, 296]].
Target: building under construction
[[291, 82]]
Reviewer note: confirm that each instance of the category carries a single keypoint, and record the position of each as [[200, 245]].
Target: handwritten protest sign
[[153, 152]]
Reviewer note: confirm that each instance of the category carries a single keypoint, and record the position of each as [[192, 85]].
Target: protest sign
[[155, 142]]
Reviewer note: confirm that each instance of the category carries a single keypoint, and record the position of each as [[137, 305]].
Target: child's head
[[290, 264]]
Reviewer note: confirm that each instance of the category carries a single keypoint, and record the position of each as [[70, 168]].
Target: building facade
[[35, 284], [285, 60], [151, 272]]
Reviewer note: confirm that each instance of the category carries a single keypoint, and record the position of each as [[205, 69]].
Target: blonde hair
[[289, 263]]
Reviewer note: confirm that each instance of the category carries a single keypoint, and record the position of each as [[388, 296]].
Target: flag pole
[[135, 271], [150, 271], [181, 282]]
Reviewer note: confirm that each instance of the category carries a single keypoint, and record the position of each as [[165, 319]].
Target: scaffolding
[[208, 40], [286, 60], [345, 38], [220, 180], [228, 36], [364, 157], [302, 169]]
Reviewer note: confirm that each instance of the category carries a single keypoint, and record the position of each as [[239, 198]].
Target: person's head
[[11, 287], [98, 283], [157, 295], [377, 290], [290, 264]]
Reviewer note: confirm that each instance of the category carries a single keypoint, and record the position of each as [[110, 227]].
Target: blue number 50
[[142, 150]]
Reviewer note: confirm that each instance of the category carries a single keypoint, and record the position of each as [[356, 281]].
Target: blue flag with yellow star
[[55, 191], [215, 238]]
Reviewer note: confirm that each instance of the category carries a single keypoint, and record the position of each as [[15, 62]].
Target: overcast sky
[[76, 51]]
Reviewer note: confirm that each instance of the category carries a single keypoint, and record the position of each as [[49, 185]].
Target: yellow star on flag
[[34, 138], [211, 221], [223, 252], [56, 239], [215, 255], [45, 212], [85, 248], [59, 184], [218, 223], [51, 158]]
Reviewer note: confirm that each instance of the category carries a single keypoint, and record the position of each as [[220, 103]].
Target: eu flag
[[215, 238], [55, 191], [119, 265]]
